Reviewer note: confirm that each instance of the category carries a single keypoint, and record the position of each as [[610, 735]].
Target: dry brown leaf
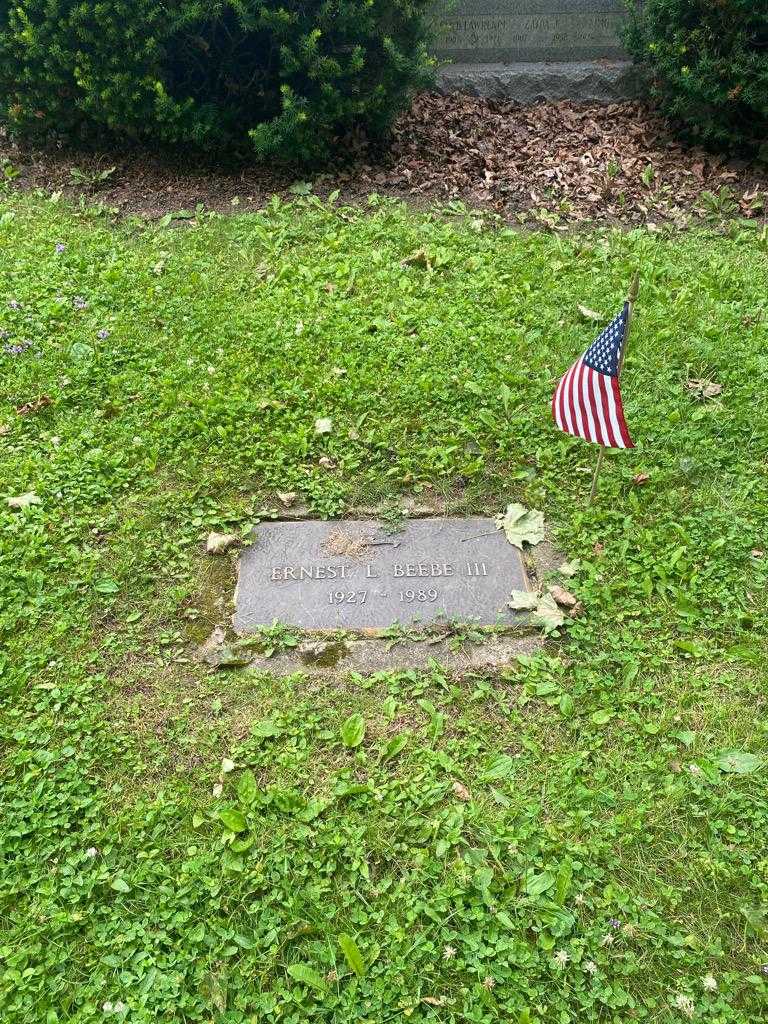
[[218, 543], [704, 388], [212, 644], [563, 597], [24, 500], [461, 792], [287, 498], [640, 478], [30, 408], [340, 543], [598, 548], [419, 258], [590, 314]]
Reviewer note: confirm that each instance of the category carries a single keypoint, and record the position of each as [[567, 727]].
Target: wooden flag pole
[[596, 474], [634, 288]]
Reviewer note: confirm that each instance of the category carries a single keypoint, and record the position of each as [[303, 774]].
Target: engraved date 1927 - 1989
[[361, 596]]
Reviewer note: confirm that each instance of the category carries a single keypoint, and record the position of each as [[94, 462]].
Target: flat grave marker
[[354, 575]]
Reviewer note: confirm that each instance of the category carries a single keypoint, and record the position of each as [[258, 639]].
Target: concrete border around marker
[[366, 655]]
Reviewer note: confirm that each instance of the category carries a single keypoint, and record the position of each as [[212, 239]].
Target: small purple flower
[[79, 302], [14, 304], [615, 922], [103, 334], [60, 247], [17, 350]]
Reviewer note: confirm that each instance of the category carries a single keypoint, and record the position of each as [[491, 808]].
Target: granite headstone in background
[[534, 49]]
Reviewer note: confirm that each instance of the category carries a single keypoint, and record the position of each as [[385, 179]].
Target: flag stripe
[[570, 422], [589, 422], [597, 408], [610, 405], [575, 393], [626, 439], [606, 412], [564, 404], [558, 404]]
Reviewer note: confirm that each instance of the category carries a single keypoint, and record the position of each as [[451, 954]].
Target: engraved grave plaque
[[509, 31], [353, 575]]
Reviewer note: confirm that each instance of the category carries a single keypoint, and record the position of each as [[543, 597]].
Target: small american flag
[[587, 401]]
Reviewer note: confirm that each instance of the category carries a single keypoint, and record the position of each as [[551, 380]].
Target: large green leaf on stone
[[521, 525]]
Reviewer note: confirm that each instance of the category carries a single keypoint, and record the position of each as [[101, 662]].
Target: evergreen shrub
[[288, 77], [707, 65]]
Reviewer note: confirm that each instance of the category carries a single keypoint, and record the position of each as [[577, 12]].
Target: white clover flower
[[211, 370], [607, 940], [107, 1007], [590, 967], [91, 852], [685, 1005], [561, 958], [709, 983], [120, 1006], [448, 952]]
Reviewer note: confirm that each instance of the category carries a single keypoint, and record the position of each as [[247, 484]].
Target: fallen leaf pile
[[594, 158], [549, 609]]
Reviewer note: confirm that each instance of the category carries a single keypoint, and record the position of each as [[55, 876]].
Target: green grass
[[607, 861]]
